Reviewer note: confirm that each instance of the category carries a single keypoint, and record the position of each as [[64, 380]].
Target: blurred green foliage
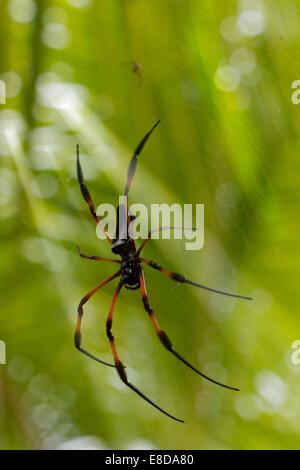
[[218, 75]]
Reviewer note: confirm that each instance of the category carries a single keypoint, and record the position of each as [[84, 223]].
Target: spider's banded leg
[[86, 195], [164, 338], [80, 315], [97, 258], [161, 229], [119, 365], [130, 175], [179, 278], [133, 161]]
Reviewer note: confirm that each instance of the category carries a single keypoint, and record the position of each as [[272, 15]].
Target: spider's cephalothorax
[[131, 276], [124, 246]]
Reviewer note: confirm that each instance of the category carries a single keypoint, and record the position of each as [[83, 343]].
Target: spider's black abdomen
[[130, 271]]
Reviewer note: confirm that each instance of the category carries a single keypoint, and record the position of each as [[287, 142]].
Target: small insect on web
[[136, 69], [132, 277]]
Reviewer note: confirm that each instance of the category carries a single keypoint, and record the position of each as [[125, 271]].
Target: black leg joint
[[108, 330], [154, 265], [164, 338], [178, 277], [146, 305], [121, 372]]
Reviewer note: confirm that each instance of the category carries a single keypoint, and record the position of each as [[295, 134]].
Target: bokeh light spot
[[79, 3], [244, 59], [22, 11], [44, 186], [251, 22], [271, 387], [13, 83], [229, 30], [227, 78], [20, 369], [246, 406], [56, 35]]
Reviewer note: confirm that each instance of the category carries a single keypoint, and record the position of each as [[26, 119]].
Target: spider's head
[[121, 247]]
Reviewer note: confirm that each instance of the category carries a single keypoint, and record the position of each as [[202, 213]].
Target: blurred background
[[219, 76]]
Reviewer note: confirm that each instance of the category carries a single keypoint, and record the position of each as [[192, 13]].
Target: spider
[[132, 277]]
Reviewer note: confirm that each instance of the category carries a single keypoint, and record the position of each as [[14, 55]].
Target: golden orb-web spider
[[132, 277]]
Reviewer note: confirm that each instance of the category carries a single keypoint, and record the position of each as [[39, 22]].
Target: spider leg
[[97, 258], [119, 365], [164, 338], [180, 278], [161, 229], [80, 315], [130, 175], [133, 161], [87, 196]]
